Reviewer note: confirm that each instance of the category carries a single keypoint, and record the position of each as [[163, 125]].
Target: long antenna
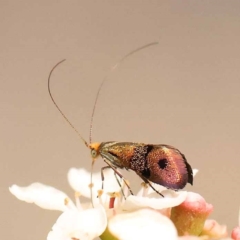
[[49, 90], [105, 78]]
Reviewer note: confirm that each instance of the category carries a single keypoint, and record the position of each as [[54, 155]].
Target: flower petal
[[146, 190], [79, 180], [142, 224], [170, 199], [43, 196], [85, 225]]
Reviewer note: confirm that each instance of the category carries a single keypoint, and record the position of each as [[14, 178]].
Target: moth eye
[[94, 153]]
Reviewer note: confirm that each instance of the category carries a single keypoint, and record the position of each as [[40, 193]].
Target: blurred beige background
[[183, 92]]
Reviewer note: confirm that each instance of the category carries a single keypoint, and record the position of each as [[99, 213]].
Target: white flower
[[81, 222], [85, 225], [74, 222], [142, 224], [43, 196]]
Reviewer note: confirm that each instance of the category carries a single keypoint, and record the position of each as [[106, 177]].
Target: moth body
[[161, 164]]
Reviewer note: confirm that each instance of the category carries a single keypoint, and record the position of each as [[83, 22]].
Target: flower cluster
[[113, 213]]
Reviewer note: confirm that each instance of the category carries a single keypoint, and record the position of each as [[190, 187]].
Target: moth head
[[94, 148]]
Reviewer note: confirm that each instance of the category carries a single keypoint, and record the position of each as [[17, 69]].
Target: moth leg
[[149, 183], [119, 184], [102, 176], [120, 175]]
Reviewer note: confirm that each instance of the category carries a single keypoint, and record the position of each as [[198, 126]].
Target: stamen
[[114, 194], [117, 194], [77, 194], [100, 192], [145, 188], [77, 199], [68, 203], [91, 185]]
